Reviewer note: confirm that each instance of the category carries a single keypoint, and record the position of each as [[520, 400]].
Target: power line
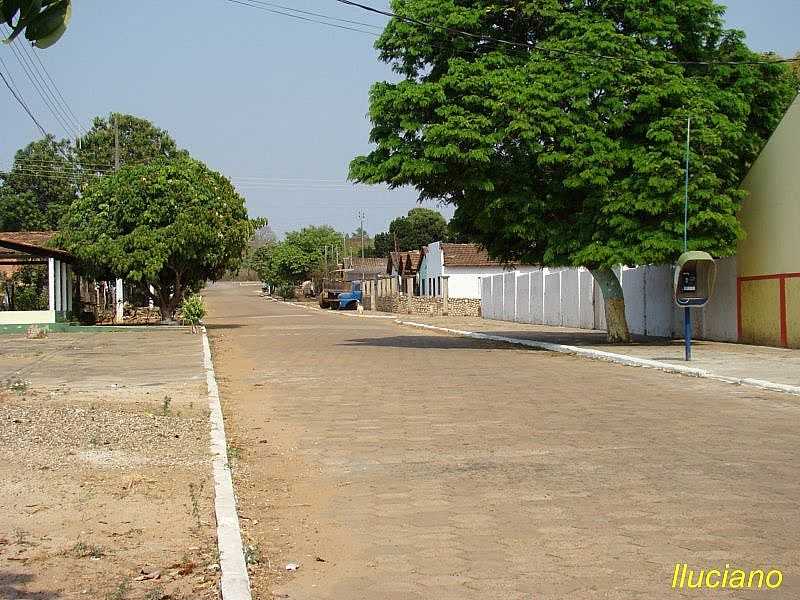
[[34, 80], [39, 69], [316, 14], [60, 95], [22, 104], [302, 18], [534, 46]]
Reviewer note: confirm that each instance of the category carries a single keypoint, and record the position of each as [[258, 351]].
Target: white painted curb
[[235, 582], [622, 359]]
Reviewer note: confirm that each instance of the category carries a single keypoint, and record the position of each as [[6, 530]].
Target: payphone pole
[[687, 314]]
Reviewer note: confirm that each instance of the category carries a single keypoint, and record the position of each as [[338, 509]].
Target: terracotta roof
[[32, 242], [411, 265], [395, 261], [367, 266], [467, 255]]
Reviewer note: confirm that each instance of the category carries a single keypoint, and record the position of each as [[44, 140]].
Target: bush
[[286, 291], [193, 310]]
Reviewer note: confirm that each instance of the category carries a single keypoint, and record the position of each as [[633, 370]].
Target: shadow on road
[[10, 587], [443, 342]]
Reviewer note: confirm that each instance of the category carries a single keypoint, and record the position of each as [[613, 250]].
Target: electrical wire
[[60, 95], [22, 104], [302, 18], [534, 46], [34, 80]]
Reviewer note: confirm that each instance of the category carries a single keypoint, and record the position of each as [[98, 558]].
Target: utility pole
[[687, 312], [361, 218]]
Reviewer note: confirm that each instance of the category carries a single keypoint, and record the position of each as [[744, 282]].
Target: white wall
[[570, 298], [26, 317]]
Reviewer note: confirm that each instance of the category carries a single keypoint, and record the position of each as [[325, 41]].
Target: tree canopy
[[43, 21], [169, 224], [298, 256], [41, 184], [420, 227], [139, 141], [564, 145]]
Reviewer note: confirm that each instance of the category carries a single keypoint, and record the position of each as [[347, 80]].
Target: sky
[[277, 104]]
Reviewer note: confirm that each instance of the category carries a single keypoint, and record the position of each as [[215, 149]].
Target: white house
[[462, 264]]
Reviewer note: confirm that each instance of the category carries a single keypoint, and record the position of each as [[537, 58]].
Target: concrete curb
[[235, 582], [621, 359]]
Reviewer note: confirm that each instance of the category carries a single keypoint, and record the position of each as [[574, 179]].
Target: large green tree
[[137, 140], [43, 21], [41, 184], [172, 225], [563, 143], [420, 227]]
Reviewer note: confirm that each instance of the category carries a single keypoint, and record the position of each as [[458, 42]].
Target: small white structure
[[463, 265], [19, 249]]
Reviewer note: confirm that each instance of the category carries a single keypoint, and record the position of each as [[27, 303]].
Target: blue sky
[[275, 103]]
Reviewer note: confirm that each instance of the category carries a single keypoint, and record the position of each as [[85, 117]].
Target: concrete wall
[[570, 298], [25, 317], [769, 257]]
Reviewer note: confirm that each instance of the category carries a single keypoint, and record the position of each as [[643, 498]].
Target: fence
[[570, 298]]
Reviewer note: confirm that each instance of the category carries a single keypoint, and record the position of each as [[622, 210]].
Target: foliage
[[293, 260], [193, 310], [558, 157], [421, 227], [139, 141], [170, 224], [27, 289], [286, 291], [43, 21], [39, 187]]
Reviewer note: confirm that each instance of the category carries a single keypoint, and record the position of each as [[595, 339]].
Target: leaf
[[49, 21]]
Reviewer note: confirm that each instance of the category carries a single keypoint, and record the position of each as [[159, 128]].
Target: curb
[[235, 582], [621, 359]]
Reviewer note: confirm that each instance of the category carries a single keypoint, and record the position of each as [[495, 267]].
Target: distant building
[[463, 264], [356, 268]]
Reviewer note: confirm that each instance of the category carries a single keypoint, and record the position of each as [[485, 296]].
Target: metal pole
[[687, 312], [686, 189]]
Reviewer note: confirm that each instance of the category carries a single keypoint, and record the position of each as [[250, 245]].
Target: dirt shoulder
[[104, 460]]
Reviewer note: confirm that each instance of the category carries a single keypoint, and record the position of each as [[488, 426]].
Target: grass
[[194, 497], [120, 592], [252, 554], [234, 454], [166, 406], [84, 550], [17, 385]]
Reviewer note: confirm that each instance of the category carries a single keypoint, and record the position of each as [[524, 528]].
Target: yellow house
[[768, 282]]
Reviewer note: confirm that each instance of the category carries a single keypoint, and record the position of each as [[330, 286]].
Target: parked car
[[341, 295]]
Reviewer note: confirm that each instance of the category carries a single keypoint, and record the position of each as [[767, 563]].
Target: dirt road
[[392, 463]]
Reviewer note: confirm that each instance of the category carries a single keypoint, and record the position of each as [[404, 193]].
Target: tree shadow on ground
[[14, 585], [224, 326], [428, 342]]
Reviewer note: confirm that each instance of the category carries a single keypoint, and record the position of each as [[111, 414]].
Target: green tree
[[172, 225], [298, 256], [139, 141], [553, 154], [43, 21], [41, 184], [420, 227]]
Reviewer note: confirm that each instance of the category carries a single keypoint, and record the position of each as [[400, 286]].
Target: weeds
[[120, 592], [17, 385], [21, 537], [156, 594], [84, 550], [234, 454], [252, 554], [194, 496], [166, 406]]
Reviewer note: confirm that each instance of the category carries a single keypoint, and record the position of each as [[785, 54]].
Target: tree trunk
[[614, 300]]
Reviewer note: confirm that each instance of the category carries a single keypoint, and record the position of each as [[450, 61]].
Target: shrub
[[193, 310]]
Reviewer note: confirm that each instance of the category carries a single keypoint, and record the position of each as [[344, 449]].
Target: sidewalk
[[771, 368]]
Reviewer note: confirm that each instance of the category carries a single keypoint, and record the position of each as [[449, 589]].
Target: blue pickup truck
[[336, 298]]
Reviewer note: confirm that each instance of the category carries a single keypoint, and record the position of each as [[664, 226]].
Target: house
[[768, 259], [462, 264], [31, 248], [356, 268]]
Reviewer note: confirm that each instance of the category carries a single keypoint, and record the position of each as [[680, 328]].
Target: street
[[393, 463]]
